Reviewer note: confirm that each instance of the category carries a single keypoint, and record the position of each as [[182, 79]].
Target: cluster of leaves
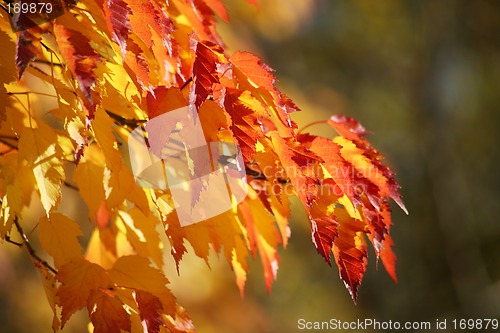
[[111, 65]]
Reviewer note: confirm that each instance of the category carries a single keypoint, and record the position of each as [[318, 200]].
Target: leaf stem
[[319, 122]]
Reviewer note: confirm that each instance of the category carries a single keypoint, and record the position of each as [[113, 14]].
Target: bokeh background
[[424, 78]]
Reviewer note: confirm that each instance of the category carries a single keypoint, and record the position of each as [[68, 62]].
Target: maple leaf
[[38, 147], [59, 237], [80, 57], [116, 13], [352, 130], [28, 47], [350, 252], [88, 176], [207, 57], [107, 313], [79, 278], [150, 311], [135, 272]]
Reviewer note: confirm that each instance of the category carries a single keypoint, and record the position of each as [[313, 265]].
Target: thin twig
[[124, 121], [8, 143], [68, 184], [8, 240], [186, 83], [34, 256]]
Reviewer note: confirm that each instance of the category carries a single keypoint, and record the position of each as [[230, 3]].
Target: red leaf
[[162, 99], [349, 250], [256, 71], [218, 7], [246, 125], [107, 313], [27, 49], [341, 171], [79, 55], [255, 76], [323, 230], [388, 257], [352, 130], [208, 56], [116, 13], [150, 311]]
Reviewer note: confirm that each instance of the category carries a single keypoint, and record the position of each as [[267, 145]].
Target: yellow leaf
[[135, 272], [102, 125], [49, 285], [89, 177], [59, 237], [79, 277], [18, 180], [38, 147], [8, 70], [123, 187], [98, 253], [142, 234], [363, 165]]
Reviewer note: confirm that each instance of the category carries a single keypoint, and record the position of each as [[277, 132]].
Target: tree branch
[[34, 256]]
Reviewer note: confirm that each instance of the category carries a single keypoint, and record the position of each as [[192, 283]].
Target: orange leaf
[[150, 311], [27, 49], [207, 57], [218, 7], [135, 272], [79, 278], [107, 313], [58, 236], [349, 250], [81, 58]]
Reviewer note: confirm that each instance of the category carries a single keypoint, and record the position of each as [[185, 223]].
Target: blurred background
[[424, 78]]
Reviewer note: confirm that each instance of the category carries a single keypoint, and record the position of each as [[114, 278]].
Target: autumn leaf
[[150, 311], [110, 67], [79, 278], [349, 250], [107, 313], [116, 13], [88, 177], [59, 237], [49, 285], [79, 55], [208, 57], [38, 146], [135, 272], [28, 47]]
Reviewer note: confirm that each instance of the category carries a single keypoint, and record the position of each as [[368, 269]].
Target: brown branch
[[186, 83], [71, 186], [45, 62], [2, 140], [8, 240], [32, 253], [124, 121]]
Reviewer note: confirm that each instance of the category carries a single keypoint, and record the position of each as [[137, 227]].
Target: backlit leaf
[[59, 237]]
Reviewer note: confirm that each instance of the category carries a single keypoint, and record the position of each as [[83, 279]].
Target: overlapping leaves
[[112, 66]]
